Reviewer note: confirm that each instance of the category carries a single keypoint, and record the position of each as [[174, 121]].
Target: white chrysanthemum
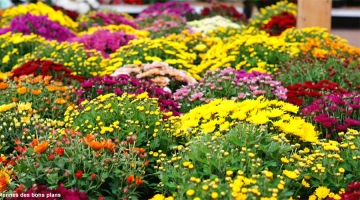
[[211, 24]]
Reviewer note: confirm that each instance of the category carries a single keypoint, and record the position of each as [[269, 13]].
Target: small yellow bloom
[[214, 195], [341, 170], [6, 59], [190, 192]]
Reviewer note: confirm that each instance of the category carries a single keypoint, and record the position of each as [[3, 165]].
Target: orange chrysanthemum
[[96, 145], [130, 178], [21, 90], [139, 181], [41, 147], [36, 92], [63, 88], [51, 88], [88, 138], [34, 142], [109, 145], [58, 83], [3, 85], [60, 101]]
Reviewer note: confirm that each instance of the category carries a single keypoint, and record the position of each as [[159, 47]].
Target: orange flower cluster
[[328, 46], [138, 180], [89, 140]]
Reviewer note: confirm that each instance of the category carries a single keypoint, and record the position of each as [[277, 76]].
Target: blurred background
[[345, 20]]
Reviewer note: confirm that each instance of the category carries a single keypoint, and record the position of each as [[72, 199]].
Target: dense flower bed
[[101, 105]]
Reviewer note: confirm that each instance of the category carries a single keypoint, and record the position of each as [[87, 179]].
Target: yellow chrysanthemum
[[290, 174], [322, 192]]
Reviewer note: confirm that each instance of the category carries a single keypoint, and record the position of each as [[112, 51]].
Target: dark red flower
[[51, 157], [79, 174], [279, 23], [93, 176], [59, 151]]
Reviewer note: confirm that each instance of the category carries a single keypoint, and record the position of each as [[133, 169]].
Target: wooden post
[[314, 13]]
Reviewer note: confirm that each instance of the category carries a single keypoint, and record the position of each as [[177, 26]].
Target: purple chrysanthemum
[[179, 8], [104, 41], [40, 25]]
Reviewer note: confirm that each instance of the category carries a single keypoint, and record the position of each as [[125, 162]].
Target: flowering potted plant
[[229, 84], [86, 63], [232, 175], [92, 164], [335, 113], [36, 9], [217, 116], [121, 84], [139, 117], [278, 23], [180, 8], [161, 23], [153, 50], [344, 72], [50, 98], [303, 94], [160, 73], [104, 41], [97, 18], [44, 68], [225, 11], [15, 46]]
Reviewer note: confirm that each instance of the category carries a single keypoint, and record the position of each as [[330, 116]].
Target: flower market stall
[[175, 104]]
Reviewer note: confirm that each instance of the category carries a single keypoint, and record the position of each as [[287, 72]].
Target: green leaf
[[171, 185], [349, 176], [105, 175], [73, 182]]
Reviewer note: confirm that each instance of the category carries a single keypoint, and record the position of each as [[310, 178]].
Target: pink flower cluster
[[334, 113], [104, 41], [229, 84], [161, 23]]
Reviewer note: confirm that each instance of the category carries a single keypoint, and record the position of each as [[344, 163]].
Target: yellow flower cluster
[[322, 192], [152, 50], [13, 44], [325, 161], [161, 197], [122, 27], [120, 116], [300, 35], [16, 117], [39, 9], [266, 13], [219, 115], [194, 41], [242, 186], [229, 32], [257, 53], [6, 107]]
